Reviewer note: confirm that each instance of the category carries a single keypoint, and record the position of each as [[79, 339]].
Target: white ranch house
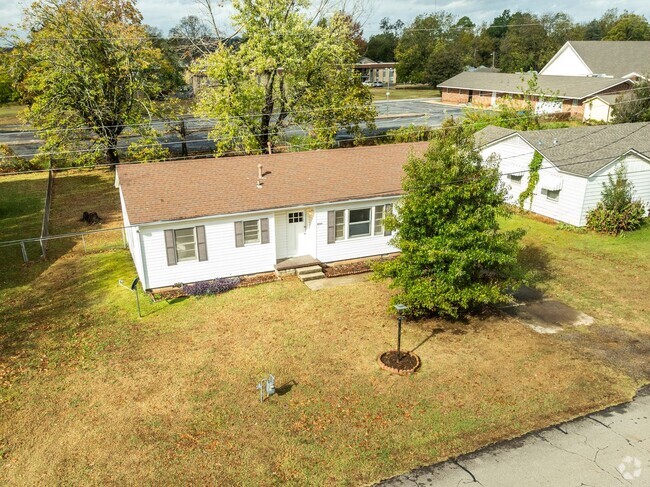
[[190, 221], [576, 163]]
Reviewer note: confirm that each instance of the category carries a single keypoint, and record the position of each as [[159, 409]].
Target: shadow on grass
[[535, 261], [434, 332], [286, 387], [70, 299]]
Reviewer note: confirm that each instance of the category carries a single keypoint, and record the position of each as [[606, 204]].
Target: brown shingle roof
[[168, 191]]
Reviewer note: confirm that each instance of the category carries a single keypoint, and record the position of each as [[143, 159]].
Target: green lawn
[[22, 200], [404, 93], [607, 277], [91, 394], [9, 114]]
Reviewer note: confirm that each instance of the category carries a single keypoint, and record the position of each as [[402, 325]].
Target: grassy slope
[[89, 393]]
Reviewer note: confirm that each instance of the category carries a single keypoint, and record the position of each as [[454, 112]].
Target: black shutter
[[201, 244], [331, 227], [388, 210], [170, 246], [264, 228], [239, 234]]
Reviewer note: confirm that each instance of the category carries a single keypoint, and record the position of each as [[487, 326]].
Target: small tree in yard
[[617, 212], [454, 258]]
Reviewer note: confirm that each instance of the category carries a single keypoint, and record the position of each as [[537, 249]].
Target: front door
[[296, 233]]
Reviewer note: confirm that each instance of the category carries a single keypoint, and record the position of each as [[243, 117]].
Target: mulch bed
[[248, 281], [404, 364], [346, 269]]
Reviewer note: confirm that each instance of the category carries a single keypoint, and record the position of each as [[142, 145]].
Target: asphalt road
[[391, 115], [605, 449]]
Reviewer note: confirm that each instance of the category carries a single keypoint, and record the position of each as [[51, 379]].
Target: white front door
[[296, 233]]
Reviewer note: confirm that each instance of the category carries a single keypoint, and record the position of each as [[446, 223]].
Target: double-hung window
[[250, 232], [185, 240], [359, 223], [186, 245]]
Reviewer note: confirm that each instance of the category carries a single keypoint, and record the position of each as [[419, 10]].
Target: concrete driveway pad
[[604, 449]]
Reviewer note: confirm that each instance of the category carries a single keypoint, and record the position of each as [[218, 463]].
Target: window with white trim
[[251, 232], [185, 242], [359, 222], [551, 195]]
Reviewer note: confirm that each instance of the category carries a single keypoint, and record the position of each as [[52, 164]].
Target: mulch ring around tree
[[403, 364]]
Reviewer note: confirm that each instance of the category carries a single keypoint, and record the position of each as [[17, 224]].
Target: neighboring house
[[373, 71], [191, 221], [576, 163], [600, 107], [611, 59], [564, 93]]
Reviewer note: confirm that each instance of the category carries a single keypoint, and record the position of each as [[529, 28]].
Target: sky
[[164, 14]]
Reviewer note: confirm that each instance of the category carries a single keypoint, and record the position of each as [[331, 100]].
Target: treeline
[[437, 46]]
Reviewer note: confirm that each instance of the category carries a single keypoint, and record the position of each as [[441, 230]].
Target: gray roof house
[[555, 93], [613, 59], [573, 88], [576, 163]]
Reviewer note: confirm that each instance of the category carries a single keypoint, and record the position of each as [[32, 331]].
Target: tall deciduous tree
[[90, 68], [629, 27], [417, 43], [381, 47], [286, 69], [454, 257], [635, 106]]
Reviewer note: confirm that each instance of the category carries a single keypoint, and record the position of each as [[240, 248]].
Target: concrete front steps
[[310, 273]]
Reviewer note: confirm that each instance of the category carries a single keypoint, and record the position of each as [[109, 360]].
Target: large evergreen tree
[[454, 258]]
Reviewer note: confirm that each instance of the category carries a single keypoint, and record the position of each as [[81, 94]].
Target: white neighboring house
[[603, 59], [576, 163], [600, 107], [191, 221]]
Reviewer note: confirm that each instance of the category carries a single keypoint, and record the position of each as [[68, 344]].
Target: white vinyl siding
[[220, 241], [349, 248], [515, 155], [638, 170], [133, 242]]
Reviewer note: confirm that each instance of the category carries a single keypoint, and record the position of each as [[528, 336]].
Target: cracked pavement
[[604, 449]]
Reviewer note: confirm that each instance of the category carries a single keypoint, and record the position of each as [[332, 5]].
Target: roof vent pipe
[[555, 141], [259, 172]]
